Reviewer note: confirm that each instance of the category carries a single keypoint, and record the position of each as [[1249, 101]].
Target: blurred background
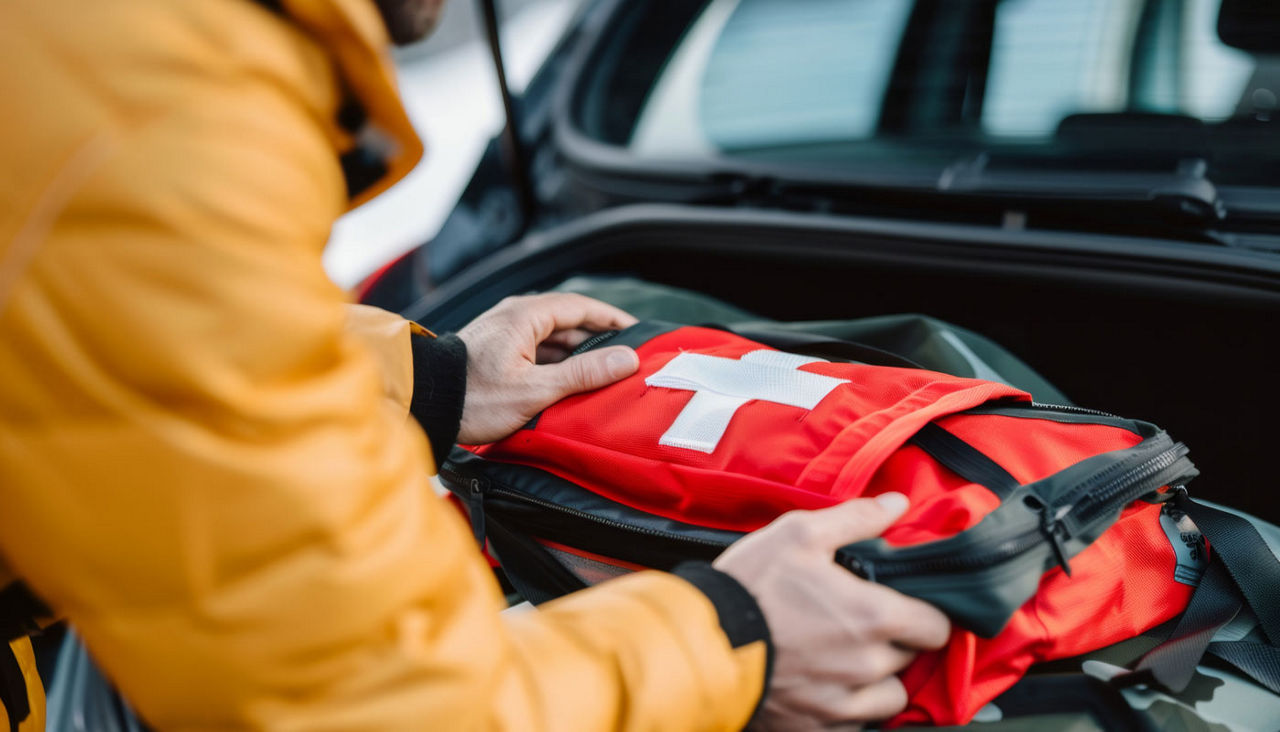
[[451, 92]]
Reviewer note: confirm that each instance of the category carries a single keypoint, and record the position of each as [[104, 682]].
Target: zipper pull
[[475, 508], [1050, 526]]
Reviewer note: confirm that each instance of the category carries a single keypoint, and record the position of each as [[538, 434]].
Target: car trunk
[[1174, 333]]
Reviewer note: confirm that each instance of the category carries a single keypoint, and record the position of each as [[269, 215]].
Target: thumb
[[591, 370], [861, 518]]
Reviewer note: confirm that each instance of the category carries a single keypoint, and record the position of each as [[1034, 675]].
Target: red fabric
[[774, 458]]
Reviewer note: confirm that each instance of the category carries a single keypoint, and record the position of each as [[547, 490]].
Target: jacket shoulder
[[132, 98]]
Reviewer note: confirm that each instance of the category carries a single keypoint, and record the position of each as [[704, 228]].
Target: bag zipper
[[1071, 409], [478, 490], [594, 341], [1105, 492]]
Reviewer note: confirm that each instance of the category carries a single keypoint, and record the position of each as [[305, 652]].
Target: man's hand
[[838, 639], [518, 360]]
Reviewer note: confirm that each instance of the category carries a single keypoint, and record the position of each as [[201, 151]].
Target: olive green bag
[[1083, 694]]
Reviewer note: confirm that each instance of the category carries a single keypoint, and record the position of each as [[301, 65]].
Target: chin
[[409, 21]]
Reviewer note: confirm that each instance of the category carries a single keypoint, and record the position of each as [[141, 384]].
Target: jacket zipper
[[1105, 492], [476, 488]]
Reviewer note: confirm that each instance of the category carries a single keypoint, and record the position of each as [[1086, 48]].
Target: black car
[[1094, 184]]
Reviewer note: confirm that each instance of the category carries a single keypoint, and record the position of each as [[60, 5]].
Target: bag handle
[[809, 344]]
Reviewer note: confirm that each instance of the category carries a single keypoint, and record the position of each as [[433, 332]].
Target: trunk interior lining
[[1183, 344]]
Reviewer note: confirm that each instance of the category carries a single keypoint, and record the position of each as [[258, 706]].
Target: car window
[[1215, 74], [823, 77], [843, 83], [1050, 59]]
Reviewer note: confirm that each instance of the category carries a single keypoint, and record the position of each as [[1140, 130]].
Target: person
[[208, 463]]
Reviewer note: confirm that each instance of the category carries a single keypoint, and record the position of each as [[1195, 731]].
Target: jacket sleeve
[[202, 472]]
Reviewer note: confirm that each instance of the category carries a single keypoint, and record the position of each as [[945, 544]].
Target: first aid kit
[[1044, 531]]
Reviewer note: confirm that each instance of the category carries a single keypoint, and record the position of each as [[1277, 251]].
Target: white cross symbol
[[721, 386]]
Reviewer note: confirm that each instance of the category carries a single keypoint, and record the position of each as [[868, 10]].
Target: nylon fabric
[[722, 386], [206, 470], [1214, 604], [855, 441], [1242, 568], [911, 339], [1247, 558], [1259, 660], [702, 422], [22, 700]]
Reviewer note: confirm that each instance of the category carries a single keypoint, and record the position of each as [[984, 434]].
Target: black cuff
[[439, 388], [739, 613]]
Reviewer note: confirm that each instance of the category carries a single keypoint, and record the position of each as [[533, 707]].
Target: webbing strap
[[964, 460], [1243, 569], [1214, 604], [1258, 660], [532, 570], [1247, 558]]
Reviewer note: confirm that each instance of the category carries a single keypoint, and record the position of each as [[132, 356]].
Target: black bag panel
[[981, 576], [541, 504], [927, 341]]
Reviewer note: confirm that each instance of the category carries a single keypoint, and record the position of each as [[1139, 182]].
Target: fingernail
[[621, 363], [894, 503]]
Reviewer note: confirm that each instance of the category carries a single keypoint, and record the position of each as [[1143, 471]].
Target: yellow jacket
[[198, 465]]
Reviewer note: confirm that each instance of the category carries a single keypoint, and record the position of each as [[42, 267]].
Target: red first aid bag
[[1044, 532]]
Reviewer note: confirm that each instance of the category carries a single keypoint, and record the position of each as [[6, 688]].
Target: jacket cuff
[[740, 616], [439, 389]]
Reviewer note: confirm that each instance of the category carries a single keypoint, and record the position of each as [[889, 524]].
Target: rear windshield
[[840, 83]]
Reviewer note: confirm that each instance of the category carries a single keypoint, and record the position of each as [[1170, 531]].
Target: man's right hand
[[838, 639]]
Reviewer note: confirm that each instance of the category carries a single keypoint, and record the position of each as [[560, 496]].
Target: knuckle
[[581, 372], [865, 672], [878, 617], [555, 299], [797, 527]]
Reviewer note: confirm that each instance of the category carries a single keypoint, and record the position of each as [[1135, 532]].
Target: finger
[[893, 616], [566, 311], [550, 354], [785, 720], [880, 700], [568, 339], [833, 703], [867, 664], [922, 626], [829, 529], [587, 371]]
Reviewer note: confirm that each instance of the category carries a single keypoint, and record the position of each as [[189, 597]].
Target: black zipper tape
[[594, 341], [1057, 522], [629, 541]]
